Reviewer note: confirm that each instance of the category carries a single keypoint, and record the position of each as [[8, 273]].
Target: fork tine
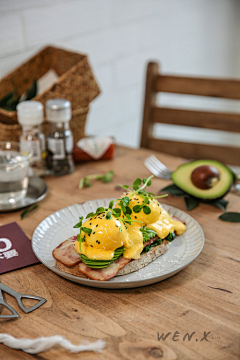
[[151, 168], [156, 172], [161, 169], [157, 168], [159, 164]]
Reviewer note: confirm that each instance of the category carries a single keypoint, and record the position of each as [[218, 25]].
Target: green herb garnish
[[86, 181], [81, 228], [28, 210], [138, 190]]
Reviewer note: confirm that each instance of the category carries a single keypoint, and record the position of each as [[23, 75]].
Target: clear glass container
[[13, 172], [60, 138], [30, 116]]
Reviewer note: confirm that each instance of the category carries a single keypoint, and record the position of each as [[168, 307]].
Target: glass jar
[[60, 138], [30, 117]]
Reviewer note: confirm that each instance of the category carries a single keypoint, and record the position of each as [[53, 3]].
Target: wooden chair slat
[[222, 88], [202, 119], [196, 151]]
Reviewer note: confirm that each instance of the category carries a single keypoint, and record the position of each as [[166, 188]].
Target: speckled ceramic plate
[[59, 226]]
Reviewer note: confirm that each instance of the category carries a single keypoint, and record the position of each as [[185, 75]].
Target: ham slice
[[111, 270], [149, 242], [66, 253], [106, 273], [177, 219]]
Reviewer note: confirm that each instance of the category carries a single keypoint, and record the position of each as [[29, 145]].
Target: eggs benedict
[[115, 240]]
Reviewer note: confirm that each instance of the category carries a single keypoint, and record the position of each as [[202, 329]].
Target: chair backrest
[[221, 88]]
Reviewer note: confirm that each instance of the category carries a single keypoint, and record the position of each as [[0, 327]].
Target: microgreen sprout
[[86, 181], [139, 190], [81, 228], [124, 211]]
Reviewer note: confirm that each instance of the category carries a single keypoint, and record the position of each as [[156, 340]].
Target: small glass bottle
[[60, 138], [30, 117]]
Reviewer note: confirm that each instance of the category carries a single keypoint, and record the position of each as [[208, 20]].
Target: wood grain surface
[[202, 298]]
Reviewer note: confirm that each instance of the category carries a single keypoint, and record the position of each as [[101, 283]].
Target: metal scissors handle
[[14, 314], [18, 296]]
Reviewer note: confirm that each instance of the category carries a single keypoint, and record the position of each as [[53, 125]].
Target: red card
[[15, 248]]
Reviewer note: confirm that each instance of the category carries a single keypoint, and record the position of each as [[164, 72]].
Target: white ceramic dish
[[59, 226]]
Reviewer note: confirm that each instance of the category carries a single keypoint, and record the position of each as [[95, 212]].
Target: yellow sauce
[[106, 236]]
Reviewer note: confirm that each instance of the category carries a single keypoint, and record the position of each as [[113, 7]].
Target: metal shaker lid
[[58, 110]]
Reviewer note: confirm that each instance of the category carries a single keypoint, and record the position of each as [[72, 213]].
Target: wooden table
[[203, 298]]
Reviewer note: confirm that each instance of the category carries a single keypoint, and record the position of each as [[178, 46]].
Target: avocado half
[[182, 178]]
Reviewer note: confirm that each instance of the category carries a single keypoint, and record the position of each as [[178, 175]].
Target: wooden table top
[[202, 298]]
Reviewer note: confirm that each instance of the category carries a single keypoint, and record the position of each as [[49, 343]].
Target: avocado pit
[[205, 177]]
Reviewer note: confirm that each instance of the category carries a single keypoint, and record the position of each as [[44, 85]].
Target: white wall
[[189, 37]]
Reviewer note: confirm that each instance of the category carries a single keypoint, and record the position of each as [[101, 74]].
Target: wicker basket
[[76, 83]]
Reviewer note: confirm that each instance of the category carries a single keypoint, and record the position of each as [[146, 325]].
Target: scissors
[[18, 296]]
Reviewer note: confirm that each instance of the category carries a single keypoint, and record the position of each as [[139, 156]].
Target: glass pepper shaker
[[60, 138], [30, 117]]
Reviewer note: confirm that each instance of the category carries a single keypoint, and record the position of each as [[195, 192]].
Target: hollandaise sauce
[[111, 236]]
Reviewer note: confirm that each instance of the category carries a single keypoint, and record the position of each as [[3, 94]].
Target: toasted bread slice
[[144, 259], [130, 267]]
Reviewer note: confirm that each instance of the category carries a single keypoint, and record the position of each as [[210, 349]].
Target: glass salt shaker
[[60, 138], [30, 117]]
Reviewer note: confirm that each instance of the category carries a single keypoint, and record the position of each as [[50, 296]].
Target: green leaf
[[149, 182], [6, 98], [174, 190], [109, 215], [128, 210], [117, 211], [230, 216], [82, 182], [137, 182], [111, 204], [171, 236], [85, 182], [100, 209], [191, 202], [90, 215], [123, 208], [220, 203], [108, 177], [79, 224], [125, 201], [28, 210], [137, 209], [146, 210], [86, 230], [32, 91]]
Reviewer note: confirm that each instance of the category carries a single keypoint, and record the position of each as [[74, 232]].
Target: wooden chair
[[221, 88]]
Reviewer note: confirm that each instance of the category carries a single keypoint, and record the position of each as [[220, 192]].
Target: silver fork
[[157, 168]]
